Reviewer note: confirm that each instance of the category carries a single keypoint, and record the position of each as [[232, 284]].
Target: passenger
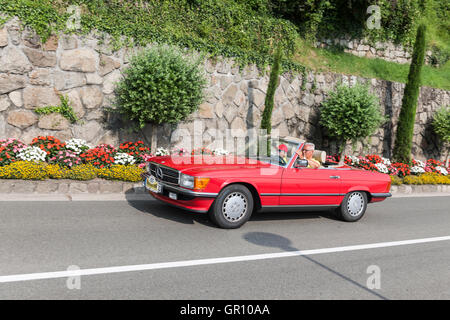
[[282, 154], [307, 153]]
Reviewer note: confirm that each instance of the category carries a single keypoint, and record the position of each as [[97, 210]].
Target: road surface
[[147, 250]]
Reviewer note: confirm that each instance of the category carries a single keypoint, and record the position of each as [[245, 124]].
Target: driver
[[282, 154], [307, 153]]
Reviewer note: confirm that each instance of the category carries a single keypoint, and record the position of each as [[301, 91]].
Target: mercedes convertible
[[230, 188]]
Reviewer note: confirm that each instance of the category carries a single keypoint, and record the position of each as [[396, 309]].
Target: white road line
[[190, 263]]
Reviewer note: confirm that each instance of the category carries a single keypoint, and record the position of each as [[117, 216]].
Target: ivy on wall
[[227, 28], [65, 109]]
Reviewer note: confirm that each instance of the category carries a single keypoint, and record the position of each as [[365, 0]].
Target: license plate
[[152, 185], [172, 195]]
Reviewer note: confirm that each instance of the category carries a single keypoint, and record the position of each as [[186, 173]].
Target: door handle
[[335, 177]]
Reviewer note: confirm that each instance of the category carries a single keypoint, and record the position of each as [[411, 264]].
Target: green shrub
[[439, 56], [161, 85], [335, 18], [441, 125], [405, 129], [350, 114], [266, 120]]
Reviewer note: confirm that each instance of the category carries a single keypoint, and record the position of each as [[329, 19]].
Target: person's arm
[[300, 156], [314, 164]]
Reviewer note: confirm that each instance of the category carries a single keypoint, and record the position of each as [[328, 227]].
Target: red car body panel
[[272, 186]]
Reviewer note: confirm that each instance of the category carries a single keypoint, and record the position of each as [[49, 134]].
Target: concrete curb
[[65, 186], [106, 190], [426, 190]]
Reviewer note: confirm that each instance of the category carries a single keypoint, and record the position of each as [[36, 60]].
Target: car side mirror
[[301, 163]]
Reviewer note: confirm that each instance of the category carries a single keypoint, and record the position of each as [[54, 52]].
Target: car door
[[305, 186]]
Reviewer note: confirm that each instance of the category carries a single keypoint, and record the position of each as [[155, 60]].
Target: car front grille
[[169, 175]]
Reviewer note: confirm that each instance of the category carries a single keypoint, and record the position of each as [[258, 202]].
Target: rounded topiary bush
[[441, 125], [160, 86], [350, 114]]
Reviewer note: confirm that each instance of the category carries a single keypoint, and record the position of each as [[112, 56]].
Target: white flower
[[382, 168], [77, 145], [386, 161], [124, 158], [220, 152], [162, 152], [355, 160], [32, 154], [420, 163], [442, 170], [417, 170]]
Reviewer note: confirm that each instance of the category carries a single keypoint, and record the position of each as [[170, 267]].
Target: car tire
[[353, 206], [233, 207]]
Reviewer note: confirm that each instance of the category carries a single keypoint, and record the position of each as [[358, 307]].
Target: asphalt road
[[38, 237]]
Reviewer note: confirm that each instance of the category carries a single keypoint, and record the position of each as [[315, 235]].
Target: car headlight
[[193, 182], [187, 181]]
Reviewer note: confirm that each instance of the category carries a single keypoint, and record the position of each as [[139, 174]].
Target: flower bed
[[49, 158], [418, 172]]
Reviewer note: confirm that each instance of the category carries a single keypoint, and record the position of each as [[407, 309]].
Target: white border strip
[[190, 263]]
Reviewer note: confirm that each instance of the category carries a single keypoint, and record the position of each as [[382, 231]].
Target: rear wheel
[[353, 206], [233, 207]]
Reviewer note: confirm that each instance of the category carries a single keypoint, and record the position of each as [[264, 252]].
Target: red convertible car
[[230, 188]]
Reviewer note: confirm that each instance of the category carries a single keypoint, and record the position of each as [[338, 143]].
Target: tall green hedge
[[405, 129], [441, 125], [266, 120]]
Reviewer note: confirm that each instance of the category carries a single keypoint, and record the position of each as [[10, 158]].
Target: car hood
[[193, 165]]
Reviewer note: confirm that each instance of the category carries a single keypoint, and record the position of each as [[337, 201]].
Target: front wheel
[[233, 207], [353, 206]]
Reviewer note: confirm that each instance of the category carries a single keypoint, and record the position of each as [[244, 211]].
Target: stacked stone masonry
[[363, 48], [86, 69], [95, 186]]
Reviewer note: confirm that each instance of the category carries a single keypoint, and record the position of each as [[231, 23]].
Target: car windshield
[[277, 157]]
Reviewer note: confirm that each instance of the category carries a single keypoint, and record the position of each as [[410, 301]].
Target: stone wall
[[69, 187], [85, 68], [363, 48]]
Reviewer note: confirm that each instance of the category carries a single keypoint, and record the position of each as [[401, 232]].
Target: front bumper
[[200, 205]]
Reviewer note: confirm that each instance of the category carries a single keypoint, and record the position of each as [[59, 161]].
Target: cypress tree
[[266, 120], [405, 129]]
